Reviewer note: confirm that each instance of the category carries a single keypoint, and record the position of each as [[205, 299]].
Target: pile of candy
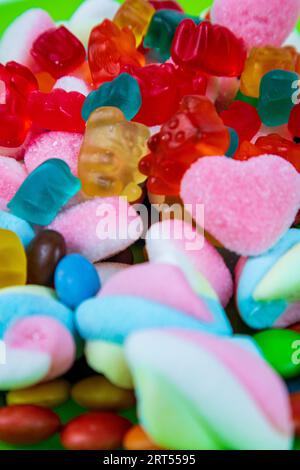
[[166, 336]]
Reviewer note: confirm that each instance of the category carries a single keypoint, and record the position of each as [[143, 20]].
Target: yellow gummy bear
[[136, 15], [261, 61], [13, 261], [110, 155]]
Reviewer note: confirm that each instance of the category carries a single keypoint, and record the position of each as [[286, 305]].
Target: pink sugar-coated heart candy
[[19, 37], [175, 240], [62, 145], [259, 23], [248, 205], [161, 283], [45, 334], [69, 83], [99, 228], [12, 175]]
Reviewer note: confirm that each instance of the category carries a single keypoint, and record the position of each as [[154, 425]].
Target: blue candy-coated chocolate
[[44, 192], [76, 280], [123, 92]]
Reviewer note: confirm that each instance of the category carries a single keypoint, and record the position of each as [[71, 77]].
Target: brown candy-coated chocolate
[[43, 254]]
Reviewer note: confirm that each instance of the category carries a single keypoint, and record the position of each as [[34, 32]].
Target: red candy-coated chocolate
[[272, 144], [95, 431], [111, 48], [162, 87], [166, 5], [195, 130], [27, 424], [58, 51], [57, 111], [294, 121], [243, 118], [211, 48]]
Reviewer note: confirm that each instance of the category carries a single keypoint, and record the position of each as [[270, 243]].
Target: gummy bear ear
[[106, 115]]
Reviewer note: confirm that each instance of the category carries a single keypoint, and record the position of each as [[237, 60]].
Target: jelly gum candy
[[13, 261], [136, 15], [110, 154]]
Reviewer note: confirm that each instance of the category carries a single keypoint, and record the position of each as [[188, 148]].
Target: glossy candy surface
[[12, 260], [57, 110], [243, 118], [75, 280], [123, 92], [136, 15], [162, 30], [294, 121], [109, 49], [43, 254], [58, 51], [194, 131], [211, 48], [109, 156], [275, 99], [44, 192], [47, 395]]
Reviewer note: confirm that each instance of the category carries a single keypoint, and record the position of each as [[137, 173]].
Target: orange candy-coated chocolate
[[137, 439]]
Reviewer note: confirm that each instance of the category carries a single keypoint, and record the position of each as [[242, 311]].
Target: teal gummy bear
[[234, 143], [123, 92], [275, 98], [162, 29], [44, 192]]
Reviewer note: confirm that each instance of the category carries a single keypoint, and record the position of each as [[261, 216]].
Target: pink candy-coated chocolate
[[12, 175], [246, 366], [99, 228], [259, 23], [62, 145], [248, 205], [161, 283], [47, 335]]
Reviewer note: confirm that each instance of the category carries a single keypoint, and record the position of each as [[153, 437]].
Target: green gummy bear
[[123, 92], [275, 102], [44, 192], [162, 29]]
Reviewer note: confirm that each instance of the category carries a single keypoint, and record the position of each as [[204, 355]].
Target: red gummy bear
[[110, 49], [243, 118], [16, 82], [195, 130], [162, 87], [272, 144], [294, 121], [58, 51], [211, 48], [166, 5], [57, 111]]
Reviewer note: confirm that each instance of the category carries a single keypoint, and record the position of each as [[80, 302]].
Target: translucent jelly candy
[[12, 260], [109, 49], [166, 5], [243, 118], [211, 48], [162, 30], [57, 111], [136, 15], [262, 60], [272, 144], [275, 99], [123, 92], [234, 143], [110, 154], [162, 87], [44, 192], [294, 121], [16, 82], [58, 51], [194, 131]]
